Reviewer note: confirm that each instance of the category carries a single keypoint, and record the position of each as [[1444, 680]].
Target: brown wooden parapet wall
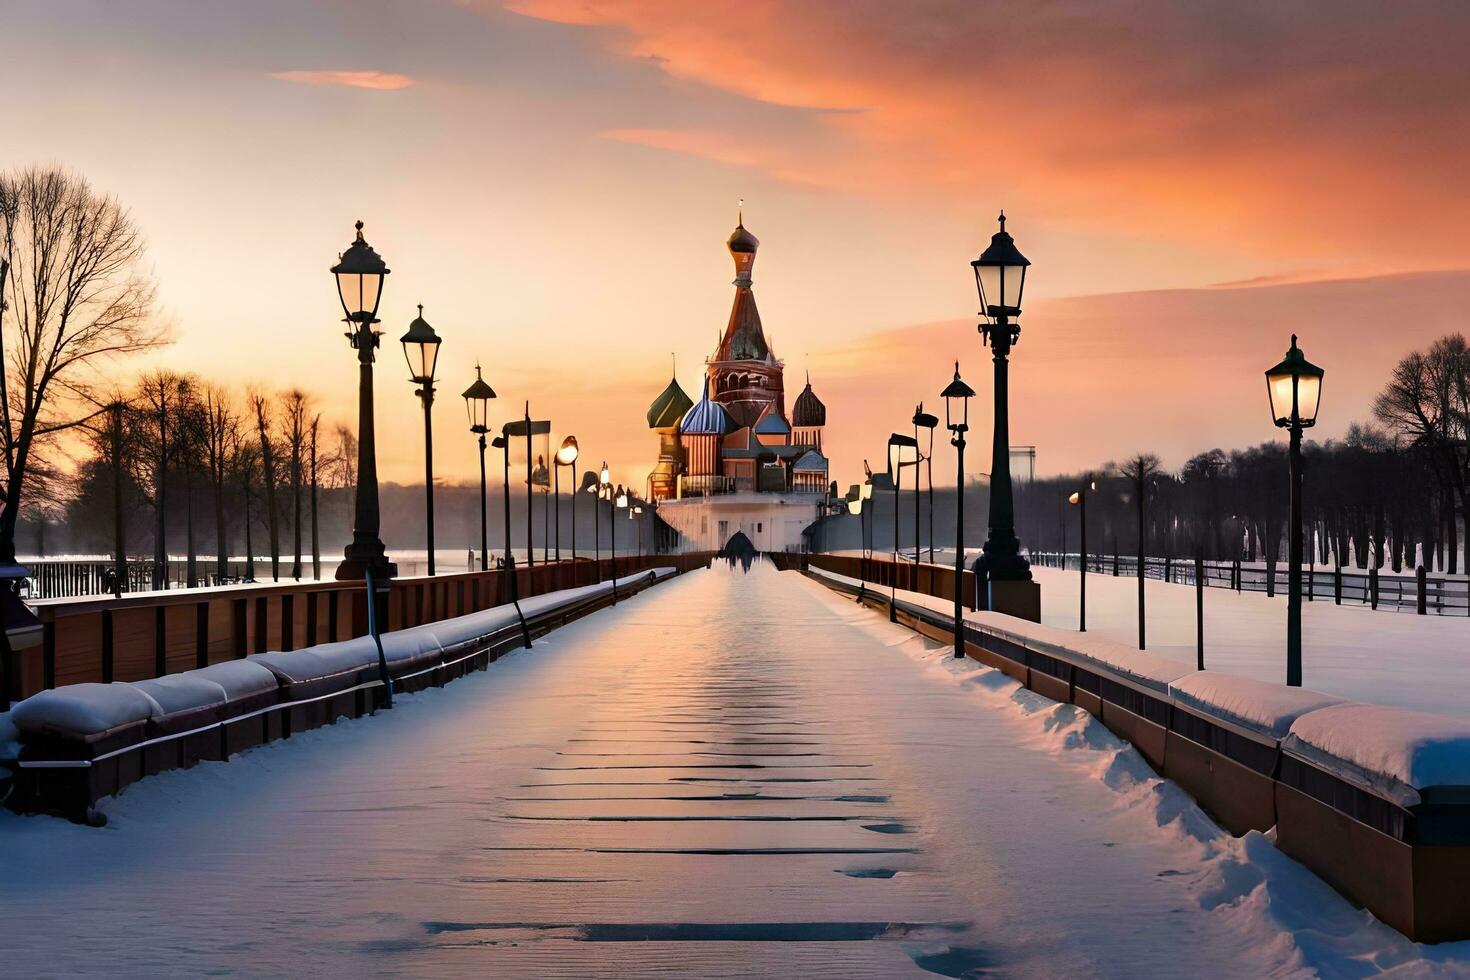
[[66, 770], [1408, 864], [138, 637]]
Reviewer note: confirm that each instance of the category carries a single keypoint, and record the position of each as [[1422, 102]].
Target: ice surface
[[1376, 656], [1391, 750], [86, 709], [1266, 708], [731, 775]]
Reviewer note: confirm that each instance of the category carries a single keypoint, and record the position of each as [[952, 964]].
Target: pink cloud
[[382, 81], [1296, 132]]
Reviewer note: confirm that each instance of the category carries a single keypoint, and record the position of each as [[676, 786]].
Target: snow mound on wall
[[1392, 751], [1266, 708], [86, 709], [180, 692], [408, 644], [240, 679]]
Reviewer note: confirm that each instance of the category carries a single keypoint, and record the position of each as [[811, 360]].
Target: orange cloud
[[381, 81], [1294, 132]]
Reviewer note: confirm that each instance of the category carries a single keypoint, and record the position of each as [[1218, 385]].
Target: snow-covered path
[[730, 775]]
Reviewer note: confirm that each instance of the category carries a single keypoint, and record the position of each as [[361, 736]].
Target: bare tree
[[268, 476], [1141, 471], [71, 296], [341, 468], [159, 399], [316, 541], [222, 437], [296, 425]]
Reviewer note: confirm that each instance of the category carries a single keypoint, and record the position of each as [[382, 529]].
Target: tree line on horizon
[[1393, 492]]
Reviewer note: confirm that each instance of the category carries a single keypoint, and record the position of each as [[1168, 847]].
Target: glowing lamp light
[[360, 273], [477, 405], [1000, 275], [567, 454], [957, 397], [1295, 388], [420, 349]]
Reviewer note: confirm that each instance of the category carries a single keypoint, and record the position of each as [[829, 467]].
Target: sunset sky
[[554, 181]]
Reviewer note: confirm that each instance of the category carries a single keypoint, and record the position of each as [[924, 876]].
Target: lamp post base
[[362, 557], [1014, 597]]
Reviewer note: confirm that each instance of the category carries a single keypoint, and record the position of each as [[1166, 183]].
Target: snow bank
[[1391, 751], [9, 739], [84, 709], [239, 679], [1266, 708], [322, 660], [536, 604], [409, 644], [181, 692], [461, 629]]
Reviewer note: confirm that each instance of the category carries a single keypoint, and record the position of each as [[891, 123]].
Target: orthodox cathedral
[[734, 460]]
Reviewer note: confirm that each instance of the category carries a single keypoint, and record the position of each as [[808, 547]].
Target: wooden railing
[[137, 637], [931, 579]]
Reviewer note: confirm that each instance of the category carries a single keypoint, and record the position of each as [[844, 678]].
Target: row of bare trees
[[1391, 493], [175, 449]]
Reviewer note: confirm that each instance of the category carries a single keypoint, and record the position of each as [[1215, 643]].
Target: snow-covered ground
[[1392, 658], [731, 775]]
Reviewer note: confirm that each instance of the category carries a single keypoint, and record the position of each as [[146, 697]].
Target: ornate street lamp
[[957, 397], [421, 350], [566, 456], [635, 513], [359, 273], [1295, 388], [1000, 277], [1078, 499], [604, 492], [923, 420], [902, 451], [477, 405]]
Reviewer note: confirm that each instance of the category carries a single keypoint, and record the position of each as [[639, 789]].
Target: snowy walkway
[[729, 775]]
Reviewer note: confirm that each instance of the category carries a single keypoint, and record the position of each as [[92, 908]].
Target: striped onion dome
[[706, 418]]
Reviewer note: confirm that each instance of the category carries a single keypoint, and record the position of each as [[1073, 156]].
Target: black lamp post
[[615, 500], [1295, 387], [957, 397], [604, 490], [902, 451], [923, 420], [421, 350], [1079, 500], [360, 272], [502, 442], [635, 513], [1000, 277], [566, 456], [477, 404]]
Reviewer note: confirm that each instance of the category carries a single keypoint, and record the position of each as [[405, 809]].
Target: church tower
[[744, 374]]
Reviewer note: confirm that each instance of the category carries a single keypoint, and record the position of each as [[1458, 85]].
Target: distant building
[[1023, 464], [734, 461]]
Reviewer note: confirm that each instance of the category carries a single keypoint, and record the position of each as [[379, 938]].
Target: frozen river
[[730, 775]]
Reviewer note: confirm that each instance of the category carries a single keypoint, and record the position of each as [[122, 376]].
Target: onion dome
[[808, 412], [742, 240], [706, 418], [772, 424], [669, 407]]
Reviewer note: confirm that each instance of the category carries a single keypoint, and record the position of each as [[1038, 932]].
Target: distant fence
[[141, 636], [1416, 590]]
